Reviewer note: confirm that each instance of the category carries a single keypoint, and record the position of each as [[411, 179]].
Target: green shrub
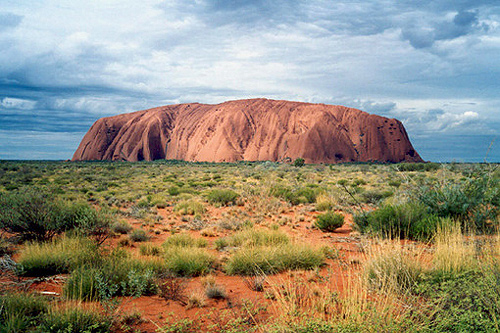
[[417, 166], [188, 261], [37, 215], [185, 240], [173, 191], [329, 221], [294, 196], [273, 259], [58, 256], [138, 235], [32, 214], [121, 227], [190, 207], [474, 201], [299, 162], [374, 196], [222, 197], [466, 302], [409, 220]]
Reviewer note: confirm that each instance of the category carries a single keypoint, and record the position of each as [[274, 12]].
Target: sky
[[433, 64]]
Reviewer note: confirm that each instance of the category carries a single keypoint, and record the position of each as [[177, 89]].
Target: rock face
[[251, 130]]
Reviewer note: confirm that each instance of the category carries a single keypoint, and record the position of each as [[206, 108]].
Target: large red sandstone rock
[[251, 130]]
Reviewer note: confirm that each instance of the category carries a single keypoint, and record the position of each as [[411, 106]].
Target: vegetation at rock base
[[249, 247]]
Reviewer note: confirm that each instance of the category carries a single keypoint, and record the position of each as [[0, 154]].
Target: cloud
[[17, 103], [423, 32], [9, 20], [63, 66]]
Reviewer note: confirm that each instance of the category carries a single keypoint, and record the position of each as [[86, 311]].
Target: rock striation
[[250, 130]]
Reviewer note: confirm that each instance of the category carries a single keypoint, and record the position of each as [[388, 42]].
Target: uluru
[[248, 130]]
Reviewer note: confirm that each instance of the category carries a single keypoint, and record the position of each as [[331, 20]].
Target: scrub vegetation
[[171, 246]]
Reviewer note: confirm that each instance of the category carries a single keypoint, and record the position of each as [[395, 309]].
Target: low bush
[[260, 260], [374, 196], [329, 221], [474, 200], [409, 220], [121, 227], [138, 235], [172, 288], [464, 302], [173, 191], [58, 256], [294, 196], [38, 215], [190, 207], [86, 221], [223, 197], [417, 167], [32, 214], [299, 162]]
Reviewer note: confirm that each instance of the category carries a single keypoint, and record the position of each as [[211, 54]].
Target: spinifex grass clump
[[150, 249], [273, 259], [252, 237], [20, 311], [189, 261], [57, 256], [185, 256], [184, 240], [190, 207], [391, 269], [329, 221], [267, 251], [117, 274], [75, 320]]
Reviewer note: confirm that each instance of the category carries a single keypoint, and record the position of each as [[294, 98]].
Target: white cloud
[[17, 103]]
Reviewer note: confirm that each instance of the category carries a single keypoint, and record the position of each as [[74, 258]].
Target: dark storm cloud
[[422, 33]]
